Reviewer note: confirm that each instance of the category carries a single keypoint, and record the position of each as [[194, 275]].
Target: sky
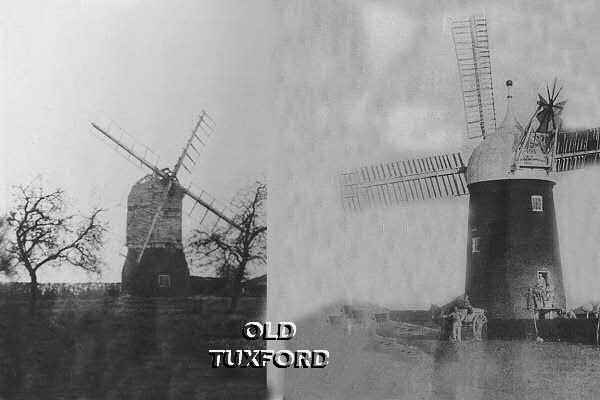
[[368, 82], [152, 67]]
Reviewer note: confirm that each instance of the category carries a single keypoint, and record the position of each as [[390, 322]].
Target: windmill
[[509, 178], [155, 263]]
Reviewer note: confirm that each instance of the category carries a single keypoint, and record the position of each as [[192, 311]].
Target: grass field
[[515, 370], [125, 348], [410, 364]]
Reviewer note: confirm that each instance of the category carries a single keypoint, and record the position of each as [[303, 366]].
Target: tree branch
[[43, 233], [224, 246]]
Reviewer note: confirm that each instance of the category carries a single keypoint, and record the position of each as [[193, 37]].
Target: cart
[[474, 324]]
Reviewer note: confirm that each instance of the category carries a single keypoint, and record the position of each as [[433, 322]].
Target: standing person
[[530, 299], [456, 324], [466, 302], [540, 291], [550, 295]]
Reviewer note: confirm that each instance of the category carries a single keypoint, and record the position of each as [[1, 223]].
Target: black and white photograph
[[429, 169], [135, 140], [434, 199]]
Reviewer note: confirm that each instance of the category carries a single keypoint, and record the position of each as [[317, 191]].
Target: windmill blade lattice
[[195, 144], [128, 147], [397, 182], [195, 206], [475, 69], [577, 149]]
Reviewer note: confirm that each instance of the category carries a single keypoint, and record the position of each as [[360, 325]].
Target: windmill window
[[475, 245], [537, 203], [544, 275], [164, 280]]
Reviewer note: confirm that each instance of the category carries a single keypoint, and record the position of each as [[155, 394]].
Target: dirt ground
[[364, 365], [125, 349]]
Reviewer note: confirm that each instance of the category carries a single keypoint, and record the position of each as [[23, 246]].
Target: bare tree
[[43, 233], [5, 257], [230, 250]]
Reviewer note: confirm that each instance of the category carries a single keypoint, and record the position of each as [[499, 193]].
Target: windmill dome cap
[[494, 157], [493, 160]]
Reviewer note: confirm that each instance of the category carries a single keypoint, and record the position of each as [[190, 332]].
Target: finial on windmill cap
[[508, 124]]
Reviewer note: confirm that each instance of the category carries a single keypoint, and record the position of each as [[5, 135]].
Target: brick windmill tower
[[155, 264], [513, 242], [513, 235]]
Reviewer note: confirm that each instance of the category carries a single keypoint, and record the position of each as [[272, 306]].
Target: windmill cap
[[493, 158]]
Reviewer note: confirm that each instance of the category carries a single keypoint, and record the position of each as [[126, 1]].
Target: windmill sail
[[124, 144], [149, 213], [195, 144], [577, 149], [208, 205], [197, 140], [475, 70], [403, 181], [155, 218]]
